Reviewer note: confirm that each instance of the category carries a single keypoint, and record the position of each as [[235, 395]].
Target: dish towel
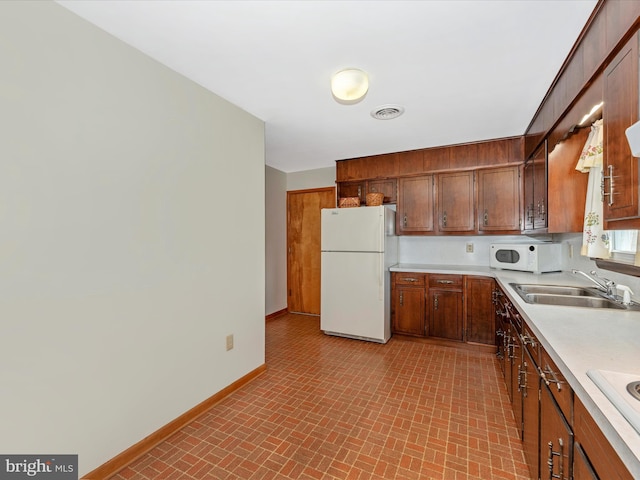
[[595, 240]]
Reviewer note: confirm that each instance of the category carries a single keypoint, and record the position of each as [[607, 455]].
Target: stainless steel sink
[[555, 289], [569, 296], [572, 301]]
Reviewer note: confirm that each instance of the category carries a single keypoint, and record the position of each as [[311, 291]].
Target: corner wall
[[124, 259]]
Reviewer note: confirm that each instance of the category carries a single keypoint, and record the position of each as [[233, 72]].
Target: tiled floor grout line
[[339, 409]]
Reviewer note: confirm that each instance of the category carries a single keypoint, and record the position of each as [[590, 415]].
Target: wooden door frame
[[297, 192]]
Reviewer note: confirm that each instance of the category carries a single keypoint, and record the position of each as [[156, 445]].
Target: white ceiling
[[463, 70]]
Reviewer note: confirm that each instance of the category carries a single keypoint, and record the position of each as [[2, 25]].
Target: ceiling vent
[[387, 112]]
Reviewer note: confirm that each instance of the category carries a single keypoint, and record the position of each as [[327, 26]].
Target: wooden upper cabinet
[[455, 202], [499, 200], [410, 162], [510, 150], [350, 170], [415, 205], [535, 191], [620, 16], [464, 156], [567, 187], [621, 208], [436, 159], [389, 187], [353, 189]]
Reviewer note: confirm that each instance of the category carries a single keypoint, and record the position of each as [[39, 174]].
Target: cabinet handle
[[404, 221], [519, 378], [543, 210], [435, 302], [512, 350], [602, 185], [527, 340], [547, 372], [486, 218], [401, 299], [410, 279], [446, 282], [373, 189], [550, 461], [359, 191], [444, 218]]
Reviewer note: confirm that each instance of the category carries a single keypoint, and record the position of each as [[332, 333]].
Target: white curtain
[[595, 240]]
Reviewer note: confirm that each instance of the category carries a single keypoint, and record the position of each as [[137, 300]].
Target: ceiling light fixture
[[387, 112], [349, 86]]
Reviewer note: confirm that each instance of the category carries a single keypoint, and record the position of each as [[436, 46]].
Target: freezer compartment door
[[353, 229], [355, 295]]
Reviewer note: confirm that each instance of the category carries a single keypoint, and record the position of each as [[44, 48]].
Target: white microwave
[[527, 257]]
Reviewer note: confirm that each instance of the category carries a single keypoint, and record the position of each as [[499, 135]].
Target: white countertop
[[577, 339]]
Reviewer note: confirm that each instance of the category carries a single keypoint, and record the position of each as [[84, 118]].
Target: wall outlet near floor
[[469, 247], [229, 342]]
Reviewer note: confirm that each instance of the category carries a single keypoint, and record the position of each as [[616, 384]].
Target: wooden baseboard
[[135, 451], [277, 314]]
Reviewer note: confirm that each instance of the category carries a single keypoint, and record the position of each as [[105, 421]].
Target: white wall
[[307, 179], [125, 258], [451, 250], [276, 240]]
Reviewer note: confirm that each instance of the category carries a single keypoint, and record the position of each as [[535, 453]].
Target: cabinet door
[[540, 188], [415, 205], [556, 439], [535, 190], [481, 312], [499, 199], [600, 454], [445, 314], [620, 167], [528, 196], [389, 187], [530, 381], [352, 189], [455, 202], [516, 378], [408, 310], [582, 469]]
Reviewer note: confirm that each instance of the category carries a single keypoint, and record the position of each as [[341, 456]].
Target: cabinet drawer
[[531, 342], [558, 385], [445, 281], [407, 278]]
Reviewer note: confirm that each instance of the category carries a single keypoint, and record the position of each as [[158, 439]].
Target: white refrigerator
[[358, 245]]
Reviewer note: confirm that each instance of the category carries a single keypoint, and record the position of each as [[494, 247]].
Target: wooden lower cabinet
[[560, 438], [480, 310], [530, 413], [408, 305], [445, 314], [594, 457], [433, 305], [556, 439]]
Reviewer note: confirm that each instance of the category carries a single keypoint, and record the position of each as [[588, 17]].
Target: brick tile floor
[[334, 408]]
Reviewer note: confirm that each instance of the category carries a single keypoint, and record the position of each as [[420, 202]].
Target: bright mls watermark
[[44, 467]]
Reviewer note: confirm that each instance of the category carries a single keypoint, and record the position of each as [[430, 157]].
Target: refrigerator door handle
[[381, 278]]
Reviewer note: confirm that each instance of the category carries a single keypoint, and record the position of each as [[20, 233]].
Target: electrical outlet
[[469, 247], [229, 342]]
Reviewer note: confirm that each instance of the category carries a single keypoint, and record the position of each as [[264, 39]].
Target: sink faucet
[[604, 284]]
